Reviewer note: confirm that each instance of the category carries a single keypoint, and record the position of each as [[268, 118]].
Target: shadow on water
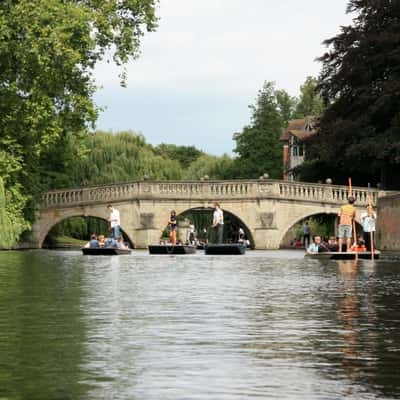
[[42, 327]]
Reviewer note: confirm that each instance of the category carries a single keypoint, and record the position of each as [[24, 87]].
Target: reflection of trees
[[42, 330], [368, 324], [340, 319], [384, 329]]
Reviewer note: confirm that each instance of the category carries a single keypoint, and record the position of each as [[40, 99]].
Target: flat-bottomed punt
[[171, 249], [109, 251], [351, 255], [225, 249]]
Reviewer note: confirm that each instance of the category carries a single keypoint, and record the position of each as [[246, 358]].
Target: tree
[[310, 103], [215, 167], [48, 50], [258, 147], [120, 157], [360, 83], [286, 105], [186, 155], [12, 222]]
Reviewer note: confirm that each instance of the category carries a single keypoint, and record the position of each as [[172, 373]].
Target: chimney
[[285, 161]]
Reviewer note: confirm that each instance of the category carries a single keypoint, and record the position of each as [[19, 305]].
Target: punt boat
[[225, 249], [171, 249], [351, 255], [108, 251]]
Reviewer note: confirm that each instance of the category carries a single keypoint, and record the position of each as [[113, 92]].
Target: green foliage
[[185, 155], [12, 222], [79, 228], [120, 157], [286, 105], [48, 49], [360, 82], [258, 146], [215, 167], [310, 102], [321, 224]]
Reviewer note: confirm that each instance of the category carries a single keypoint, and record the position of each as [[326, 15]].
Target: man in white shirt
[[218, 222], [369, 226], [114, 221]]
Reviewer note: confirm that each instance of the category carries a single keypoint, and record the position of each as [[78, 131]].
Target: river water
[[263, 325]]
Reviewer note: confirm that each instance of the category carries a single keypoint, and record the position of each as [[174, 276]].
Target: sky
[[202, 68]]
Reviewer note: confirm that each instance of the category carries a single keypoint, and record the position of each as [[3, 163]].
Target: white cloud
[[226, 48]]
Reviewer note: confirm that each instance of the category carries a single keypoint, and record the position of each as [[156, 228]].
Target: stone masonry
[[268, 208]]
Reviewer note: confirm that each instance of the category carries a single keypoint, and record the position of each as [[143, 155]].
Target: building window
[[295, 151], [301, 150]]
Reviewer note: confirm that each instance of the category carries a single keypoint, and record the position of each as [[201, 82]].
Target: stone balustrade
[[208, 191]]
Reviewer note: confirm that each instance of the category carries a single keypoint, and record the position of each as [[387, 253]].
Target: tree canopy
[[119, 157], [185, 155], [359, 133], [48, 49], [258, 147], [310, 103]]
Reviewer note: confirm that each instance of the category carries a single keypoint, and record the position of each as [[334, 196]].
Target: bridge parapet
[[327, 193], [208, 191]]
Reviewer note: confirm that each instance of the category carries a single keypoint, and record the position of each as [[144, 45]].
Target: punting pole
[[371, 233], [354, 223]]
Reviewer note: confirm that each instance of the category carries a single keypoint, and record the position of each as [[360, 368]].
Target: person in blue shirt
[[313, 248], [317, 246], [111, 243], [306, 234], [93, 242]]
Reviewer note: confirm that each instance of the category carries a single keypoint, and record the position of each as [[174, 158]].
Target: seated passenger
[[122, 244], [299, 244], [93, 242], [110, 243], [360, 246], [332, 244], [101, 240], [317, 246], [313, 248]]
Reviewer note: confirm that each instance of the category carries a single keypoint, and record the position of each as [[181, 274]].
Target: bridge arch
[[65, 216], [230, 216], [307, 215]]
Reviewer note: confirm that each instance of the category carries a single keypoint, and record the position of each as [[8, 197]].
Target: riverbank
[[64, 242]]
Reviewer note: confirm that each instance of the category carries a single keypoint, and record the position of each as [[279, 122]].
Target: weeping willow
[[121, 157]]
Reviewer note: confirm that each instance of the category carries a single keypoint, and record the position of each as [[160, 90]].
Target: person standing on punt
[[306, 234], [346, 215], [115, 222], [369, 226], [218, 222], [204, 236], [173, 227], [192, 233]]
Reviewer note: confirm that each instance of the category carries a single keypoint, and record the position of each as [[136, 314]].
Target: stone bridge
[[267, 208]]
